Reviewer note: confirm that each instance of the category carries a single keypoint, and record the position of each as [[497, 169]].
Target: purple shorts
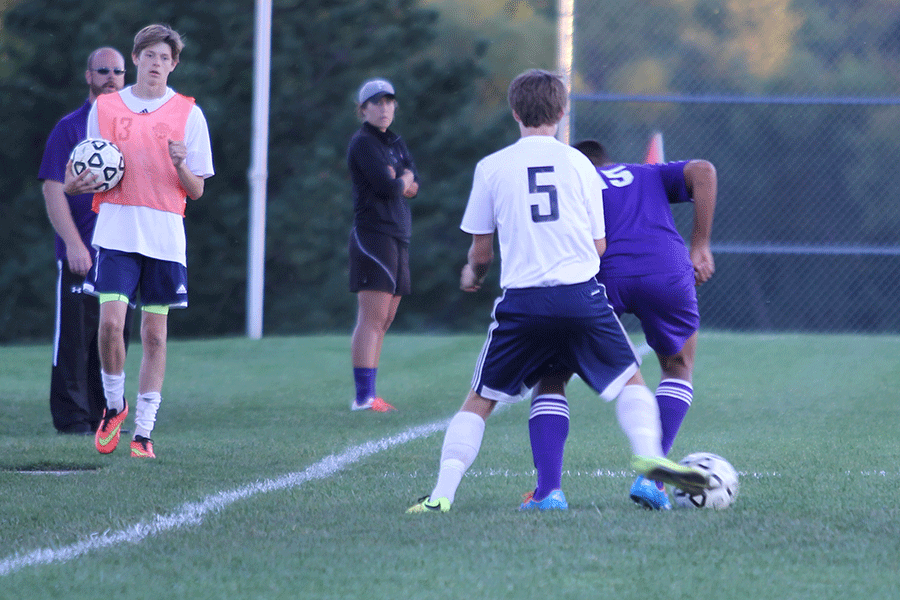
[[158, 282], [665, 304]]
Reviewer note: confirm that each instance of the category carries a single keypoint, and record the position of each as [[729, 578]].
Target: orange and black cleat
[[107, 437]]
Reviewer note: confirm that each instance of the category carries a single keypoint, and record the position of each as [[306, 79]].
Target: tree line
[[320, 55], [816, 174]]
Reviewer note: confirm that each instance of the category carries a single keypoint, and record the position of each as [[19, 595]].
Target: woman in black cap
[[384, 176]]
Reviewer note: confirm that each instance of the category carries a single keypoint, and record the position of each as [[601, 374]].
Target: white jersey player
[[544, 200]]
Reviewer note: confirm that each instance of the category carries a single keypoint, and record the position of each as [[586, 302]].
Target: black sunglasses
[[105, 71]]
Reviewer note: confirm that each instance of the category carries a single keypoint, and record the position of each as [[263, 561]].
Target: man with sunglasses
[[76, 390]]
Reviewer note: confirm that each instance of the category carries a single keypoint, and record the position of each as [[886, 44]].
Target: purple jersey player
[[647, 271], [76, 390]]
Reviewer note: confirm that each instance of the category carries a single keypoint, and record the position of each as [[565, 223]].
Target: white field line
[[592, 474], [193, 513]]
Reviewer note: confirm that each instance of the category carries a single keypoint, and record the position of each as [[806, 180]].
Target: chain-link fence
[[808, 219]]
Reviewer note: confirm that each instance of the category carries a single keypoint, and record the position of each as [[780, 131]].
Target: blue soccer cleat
[[556, 500], [645, 493]]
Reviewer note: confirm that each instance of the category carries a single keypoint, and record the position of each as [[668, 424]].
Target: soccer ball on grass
[[722, 476], [101, 157]]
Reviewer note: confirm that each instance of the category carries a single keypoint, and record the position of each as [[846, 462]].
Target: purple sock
[[548, 427], [674, 397], [365, 383]]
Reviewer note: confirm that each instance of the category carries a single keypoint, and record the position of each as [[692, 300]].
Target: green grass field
[[267, 486]]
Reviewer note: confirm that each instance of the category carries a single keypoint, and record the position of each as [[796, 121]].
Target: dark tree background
[[796, 169], [321, 52]]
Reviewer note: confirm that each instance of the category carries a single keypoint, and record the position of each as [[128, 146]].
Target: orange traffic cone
[[655, 154]]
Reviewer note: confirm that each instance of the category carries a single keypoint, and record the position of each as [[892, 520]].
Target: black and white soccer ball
[[101, 157], [722, 476]]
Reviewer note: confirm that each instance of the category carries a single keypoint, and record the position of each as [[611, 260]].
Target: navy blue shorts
[[158, 282], [379, 263], [570, 327], [666, 306]]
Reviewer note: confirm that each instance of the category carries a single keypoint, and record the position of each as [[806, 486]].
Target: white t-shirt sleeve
[[199, 149], [594, 195], [479, 216]]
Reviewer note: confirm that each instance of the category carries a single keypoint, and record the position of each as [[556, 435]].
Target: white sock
[[114, 390], [145, 413], [461, 445], [639, 418]]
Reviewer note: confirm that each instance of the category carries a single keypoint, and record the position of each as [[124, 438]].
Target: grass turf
[[809, 421]]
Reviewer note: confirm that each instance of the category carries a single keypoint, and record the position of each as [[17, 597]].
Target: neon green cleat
[[688, 479], [425, 504]]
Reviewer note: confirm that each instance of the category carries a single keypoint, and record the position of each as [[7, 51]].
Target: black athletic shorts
[[378, 263]]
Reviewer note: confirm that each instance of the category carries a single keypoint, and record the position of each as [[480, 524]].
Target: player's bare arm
[[702, 182], [192, 184], [480, 257]]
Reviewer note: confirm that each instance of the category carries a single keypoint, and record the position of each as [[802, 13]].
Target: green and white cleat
[[426, 504], [685, 478]]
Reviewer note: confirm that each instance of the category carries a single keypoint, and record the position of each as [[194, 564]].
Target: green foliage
[[320, 55], [798, 173], [817, 174], [519, 35]]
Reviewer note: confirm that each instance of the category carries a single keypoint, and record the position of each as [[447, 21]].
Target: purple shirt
[[641, 237], [70, 130]]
